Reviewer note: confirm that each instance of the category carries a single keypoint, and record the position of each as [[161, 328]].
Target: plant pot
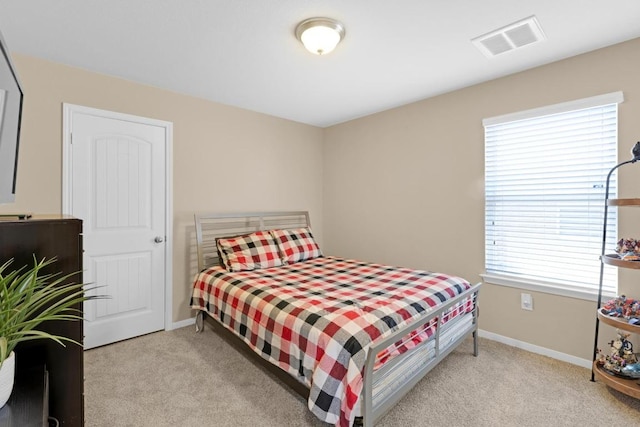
[[6, 378]]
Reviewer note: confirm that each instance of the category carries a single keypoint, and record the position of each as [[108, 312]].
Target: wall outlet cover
[[526, 301]]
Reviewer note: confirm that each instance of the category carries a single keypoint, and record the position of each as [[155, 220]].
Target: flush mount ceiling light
[[320, 35]]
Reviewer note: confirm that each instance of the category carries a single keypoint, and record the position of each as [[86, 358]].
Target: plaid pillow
[[249, 252], [296, 245]]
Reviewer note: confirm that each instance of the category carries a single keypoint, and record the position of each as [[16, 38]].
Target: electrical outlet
[[526, 302]]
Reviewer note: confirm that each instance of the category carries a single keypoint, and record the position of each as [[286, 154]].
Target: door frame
[[68, 111]]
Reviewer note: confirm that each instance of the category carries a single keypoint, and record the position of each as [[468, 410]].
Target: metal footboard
[[429, 354]]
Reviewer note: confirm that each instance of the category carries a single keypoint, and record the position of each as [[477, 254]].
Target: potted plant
[[29, 297]]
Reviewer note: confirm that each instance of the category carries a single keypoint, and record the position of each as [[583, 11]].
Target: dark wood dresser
[[49, 237]]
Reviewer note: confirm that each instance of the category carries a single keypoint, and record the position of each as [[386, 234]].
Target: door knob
[[158, 239]]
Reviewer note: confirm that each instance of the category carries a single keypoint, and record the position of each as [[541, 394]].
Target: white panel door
[[118, 190]]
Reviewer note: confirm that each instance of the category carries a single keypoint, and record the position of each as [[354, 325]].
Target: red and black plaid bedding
[[316, 319]]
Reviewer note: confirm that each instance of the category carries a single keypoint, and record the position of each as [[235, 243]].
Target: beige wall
[[402, 187], [224, 158], [405, 186]]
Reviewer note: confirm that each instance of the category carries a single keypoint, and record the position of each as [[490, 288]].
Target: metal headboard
[[210, 226]]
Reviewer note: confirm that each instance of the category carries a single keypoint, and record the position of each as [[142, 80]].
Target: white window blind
[[544, 194]]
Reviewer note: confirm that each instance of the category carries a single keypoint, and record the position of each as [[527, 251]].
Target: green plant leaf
[[29, 297], [3, 350]]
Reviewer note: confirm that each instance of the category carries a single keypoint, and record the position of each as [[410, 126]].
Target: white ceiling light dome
[[320, 35]]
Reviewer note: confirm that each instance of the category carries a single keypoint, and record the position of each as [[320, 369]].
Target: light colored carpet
[[180, 378]]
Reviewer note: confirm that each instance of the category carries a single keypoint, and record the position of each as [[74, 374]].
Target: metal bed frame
[[425, 356]]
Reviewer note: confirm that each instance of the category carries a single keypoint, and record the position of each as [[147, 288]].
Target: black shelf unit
[[630, 387]]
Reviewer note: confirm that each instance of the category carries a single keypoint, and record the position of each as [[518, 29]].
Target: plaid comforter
[[316, 319]]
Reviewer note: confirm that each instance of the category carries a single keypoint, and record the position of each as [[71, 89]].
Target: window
[[545, 174]]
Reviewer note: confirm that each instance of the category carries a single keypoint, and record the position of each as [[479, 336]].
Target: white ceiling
[[244, 52]]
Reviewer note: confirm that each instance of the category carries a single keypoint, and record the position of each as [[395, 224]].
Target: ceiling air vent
[[513, 36]]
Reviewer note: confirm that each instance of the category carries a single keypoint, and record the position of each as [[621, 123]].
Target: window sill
[[549, 288]]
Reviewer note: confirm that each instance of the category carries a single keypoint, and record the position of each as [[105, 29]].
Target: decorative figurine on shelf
[[627, 308], [628, 245], [628, 249], [621, 360]]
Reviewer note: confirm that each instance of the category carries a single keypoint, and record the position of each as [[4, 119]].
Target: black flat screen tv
[[10, 118]]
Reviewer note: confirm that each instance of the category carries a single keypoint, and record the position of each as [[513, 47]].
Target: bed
[[351, 337]]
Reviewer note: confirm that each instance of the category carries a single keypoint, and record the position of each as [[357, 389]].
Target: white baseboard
[[481, 333], [535, 349], [182, 324]]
